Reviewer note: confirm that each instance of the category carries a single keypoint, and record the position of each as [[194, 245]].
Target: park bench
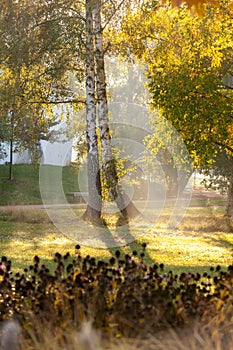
[[82, 196]]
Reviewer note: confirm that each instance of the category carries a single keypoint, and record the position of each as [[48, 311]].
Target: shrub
[[120, 297]]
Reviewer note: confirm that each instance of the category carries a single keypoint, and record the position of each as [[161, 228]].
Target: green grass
[[25, 189]]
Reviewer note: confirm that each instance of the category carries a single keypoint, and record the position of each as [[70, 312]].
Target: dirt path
[[38, 206], [196, 194], [202, 194]]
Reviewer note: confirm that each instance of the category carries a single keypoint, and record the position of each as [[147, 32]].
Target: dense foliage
[[188, 66], [36, 52], [189, 71], [122, 296]]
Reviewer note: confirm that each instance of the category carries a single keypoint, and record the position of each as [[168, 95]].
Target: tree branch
[[57, 19], [58, 102], [116, 8]]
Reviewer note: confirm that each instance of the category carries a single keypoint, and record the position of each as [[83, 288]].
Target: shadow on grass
[[220, 242], [21, 241], [201, 223]]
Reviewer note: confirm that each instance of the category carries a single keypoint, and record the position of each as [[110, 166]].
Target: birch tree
[[93, 211], [97, 108], [109, 166], [51, 39]]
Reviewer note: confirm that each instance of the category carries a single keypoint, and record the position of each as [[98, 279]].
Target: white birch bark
[[115, 192], [102, 104], [93, 210]]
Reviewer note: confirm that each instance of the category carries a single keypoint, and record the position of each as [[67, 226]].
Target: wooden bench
[[81, 195]]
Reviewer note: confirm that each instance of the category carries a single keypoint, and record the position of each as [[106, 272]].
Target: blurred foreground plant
[[122, 297]]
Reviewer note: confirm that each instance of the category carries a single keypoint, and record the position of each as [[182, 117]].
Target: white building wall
[[56, 153]]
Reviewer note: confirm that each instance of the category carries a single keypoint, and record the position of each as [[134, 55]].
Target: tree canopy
[[189, 67], [188, 60], [36, 51]]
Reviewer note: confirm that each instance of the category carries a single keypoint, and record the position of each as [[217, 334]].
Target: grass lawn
[[203, 239], [25, 188]]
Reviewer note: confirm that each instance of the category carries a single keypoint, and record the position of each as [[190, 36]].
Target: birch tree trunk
[[93, 211], [102, 104], [229, 207], [116, 193]]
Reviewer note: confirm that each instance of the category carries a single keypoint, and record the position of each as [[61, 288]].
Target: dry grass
[[194, 337], [20, 214]]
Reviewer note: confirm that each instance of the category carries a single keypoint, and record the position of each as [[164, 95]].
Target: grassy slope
[[25, 187]]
